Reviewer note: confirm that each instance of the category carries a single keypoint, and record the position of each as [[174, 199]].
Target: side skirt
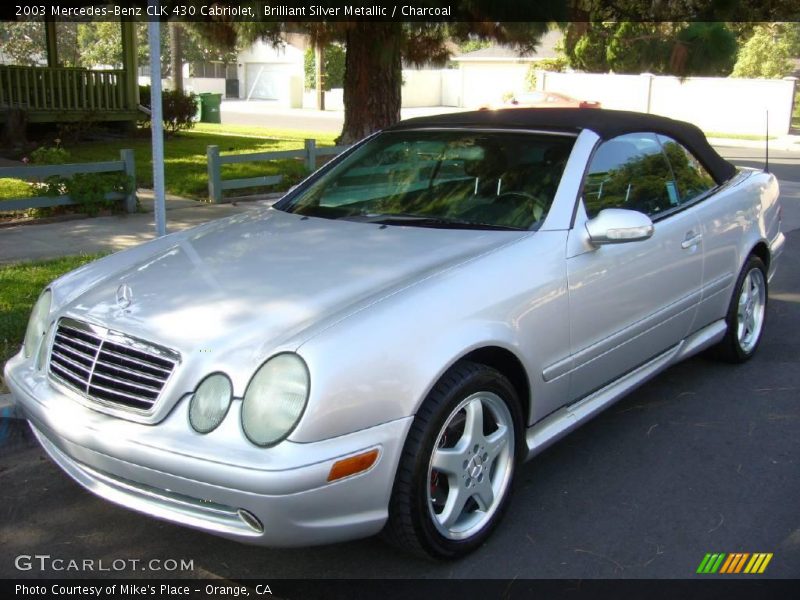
[[559, 423]]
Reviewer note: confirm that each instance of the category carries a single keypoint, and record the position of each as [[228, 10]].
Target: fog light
[[251, 520]]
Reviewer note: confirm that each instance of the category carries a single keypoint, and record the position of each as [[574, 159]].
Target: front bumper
[[217, 482]]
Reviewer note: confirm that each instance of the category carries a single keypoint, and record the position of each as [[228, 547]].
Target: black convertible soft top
[[605, 123]]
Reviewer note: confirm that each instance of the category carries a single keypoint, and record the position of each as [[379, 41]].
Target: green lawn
[[13, 188], [20, 286], [185, 164]]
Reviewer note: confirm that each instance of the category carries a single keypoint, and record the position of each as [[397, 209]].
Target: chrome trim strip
[[718, 284], [470, 128], [141, 386], [118, 393], [558, 424], [131, 372], [589, 353]]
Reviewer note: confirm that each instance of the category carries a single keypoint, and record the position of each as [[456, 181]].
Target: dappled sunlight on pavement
[[108, 234]]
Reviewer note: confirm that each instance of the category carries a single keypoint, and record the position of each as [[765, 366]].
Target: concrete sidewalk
[[110, 234]]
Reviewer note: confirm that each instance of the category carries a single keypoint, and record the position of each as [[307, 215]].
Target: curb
[[8, 410]]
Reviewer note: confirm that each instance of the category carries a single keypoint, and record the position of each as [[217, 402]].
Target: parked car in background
[[540, 99], [381, 349]]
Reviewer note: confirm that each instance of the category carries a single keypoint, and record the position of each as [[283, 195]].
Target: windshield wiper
[[423, 221]]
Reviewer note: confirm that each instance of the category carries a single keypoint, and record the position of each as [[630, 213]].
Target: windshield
[[456, 179]]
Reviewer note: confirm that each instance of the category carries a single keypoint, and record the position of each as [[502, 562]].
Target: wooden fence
[[125, 164], [216, 185], [62, 88]]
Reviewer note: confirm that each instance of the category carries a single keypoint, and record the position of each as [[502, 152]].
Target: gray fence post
[[126, 156], [311, 154], [214, 175]]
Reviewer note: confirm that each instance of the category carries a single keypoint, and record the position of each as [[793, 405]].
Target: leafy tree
[[24, 43], [332, 67], [100, 43], [675, 48], [704, 49], [472, 44], [768, 52]]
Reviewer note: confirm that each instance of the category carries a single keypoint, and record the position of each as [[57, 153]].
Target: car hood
[[268, 276]]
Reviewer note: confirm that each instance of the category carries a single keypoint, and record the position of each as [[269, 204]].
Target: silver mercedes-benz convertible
[[381, 349]]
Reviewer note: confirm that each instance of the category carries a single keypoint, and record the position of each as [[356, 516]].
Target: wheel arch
[[509, 364], [761, 250]]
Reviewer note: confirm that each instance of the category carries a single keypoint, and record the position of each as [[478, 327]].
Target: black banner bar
[[283, 11], [396, 589]]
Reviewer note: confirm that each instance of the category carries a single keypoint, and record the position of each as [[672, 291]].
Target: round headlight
[[275, 399], [210, 403], [37, 324]]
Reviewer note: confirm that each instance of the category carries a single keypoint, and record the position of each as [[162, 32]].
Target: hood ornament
[[124, 296]]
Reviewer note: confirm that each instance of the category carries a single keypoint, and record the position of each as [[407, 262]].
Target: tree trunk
[[176, 56], [372, 79]]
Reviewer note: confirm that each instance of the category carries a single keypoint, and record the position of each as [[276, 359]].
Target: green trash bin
[[210, 104], [198, 103]]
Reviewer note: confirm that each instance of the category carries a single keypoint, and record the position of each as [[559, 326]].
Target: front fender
[[380, 363]]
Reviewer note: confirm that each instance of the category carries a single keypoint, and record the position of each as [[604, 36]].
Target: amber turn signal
[[352, 465]]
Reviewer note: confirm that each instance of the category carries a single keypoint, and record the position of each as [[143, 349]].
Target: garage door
[[264, 81]]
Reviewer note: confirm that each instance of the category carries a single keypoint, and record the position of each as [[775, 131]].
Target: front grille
[[108, 366]]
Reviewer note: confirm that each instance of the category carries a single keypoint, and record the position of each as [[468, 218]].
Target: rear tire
[[455, 474], [746, 314]]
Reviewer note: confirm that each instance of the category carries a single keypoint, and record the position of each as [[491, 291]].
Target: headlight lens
[[210, 403], [37, 324], [275, 399]]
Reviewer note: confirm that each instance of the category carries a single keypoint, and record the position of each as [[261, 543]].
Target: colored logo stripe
[[711, 563], [734, 563], [758, 563]]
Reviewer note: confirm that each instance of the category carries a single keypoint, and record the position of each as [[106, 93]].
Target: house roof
[[605, 123], [502, 53]]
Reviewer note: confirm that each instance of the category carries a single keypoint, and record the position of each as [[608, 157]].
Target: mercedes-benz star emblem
[[124, 296]]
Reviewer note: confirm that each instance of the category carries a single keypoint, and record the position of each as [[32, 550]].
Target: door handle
[[692, 239]]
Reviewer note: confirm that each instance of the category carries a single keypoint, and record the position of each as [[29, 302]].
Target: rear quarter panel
[[734, 220]]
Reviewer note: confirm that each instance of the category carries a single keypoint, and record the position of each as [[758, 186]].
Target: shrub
[[557, 64], [87, 190], [178, 109], [332, 68], [50, 155]]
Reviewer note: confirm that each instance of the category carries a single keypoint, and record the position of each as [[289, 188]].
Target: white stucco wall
[[486, 83], [201, 85], [422, 87], [715, 104]]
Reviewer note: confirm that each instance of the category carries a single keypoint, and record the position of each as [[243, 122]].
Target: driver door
[[631, 301]]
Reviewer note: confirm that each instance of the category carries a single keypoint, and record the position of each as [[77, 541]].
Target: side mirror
[[619, 225]]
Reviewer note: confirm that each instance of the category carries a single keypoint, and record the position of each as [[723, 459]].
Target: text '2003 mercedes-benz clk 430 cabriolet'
[[381, 349]]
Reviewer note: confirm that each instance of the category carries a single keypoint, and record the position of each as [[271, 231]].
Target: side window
[[630, 171], [692, 178]]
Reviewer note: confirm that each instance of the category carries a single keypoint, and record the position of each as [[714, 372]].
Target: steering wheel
[[539, 208]]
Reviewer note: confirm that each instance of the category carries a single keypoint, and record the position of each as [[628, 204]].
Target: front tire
[[746, 314], [455, 474]]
